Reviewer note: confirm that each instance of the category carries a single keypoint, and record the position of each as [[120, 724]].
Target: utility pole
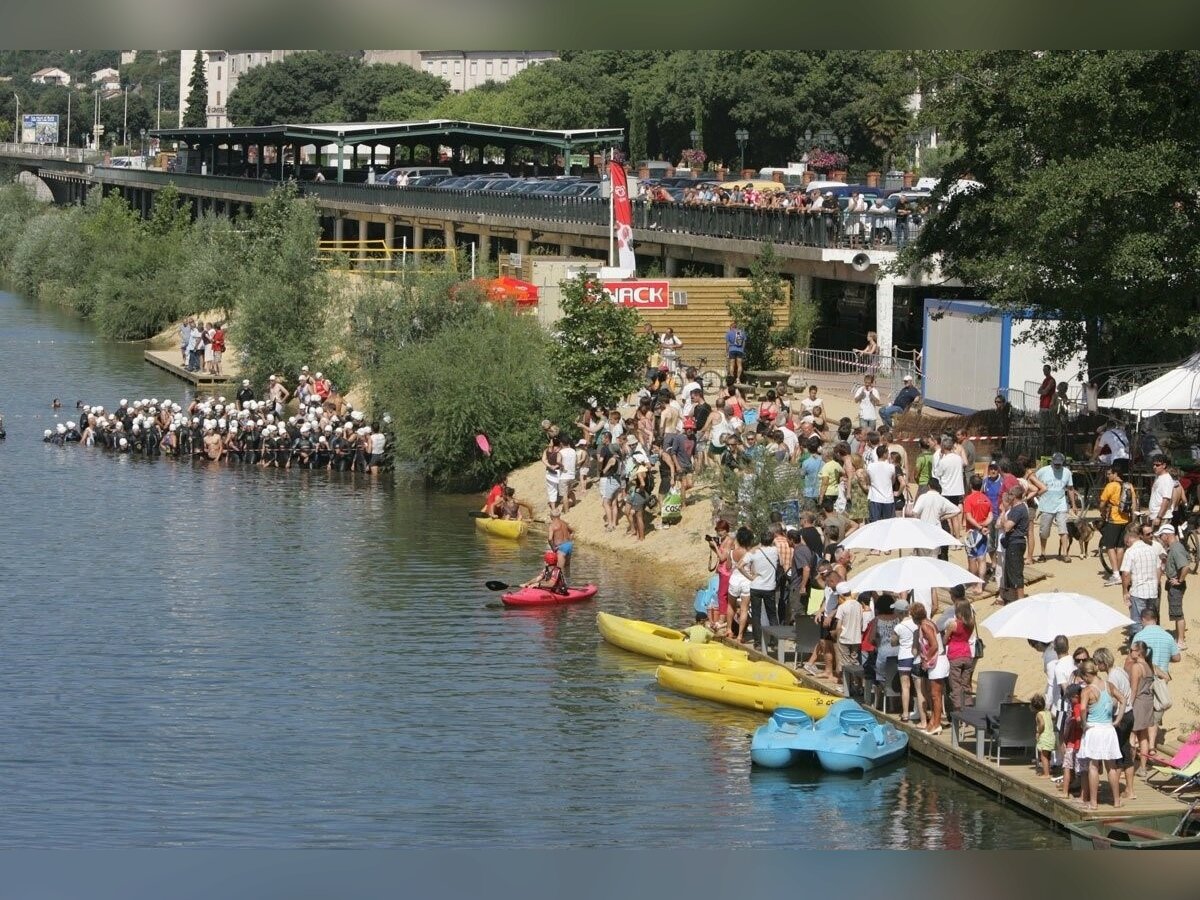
[[70, 91], [17, 120], [125, 120], [158, 120]]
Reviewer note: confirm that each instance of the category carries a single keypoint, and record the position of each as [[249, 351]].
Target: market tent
[[1175, 391]]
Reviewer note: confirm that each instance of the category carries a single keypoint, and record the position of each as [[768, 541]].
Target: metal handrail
[[50, 151]]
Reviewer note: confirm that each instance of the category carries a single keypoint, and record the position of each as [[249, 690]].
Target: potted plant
[[694, 159]]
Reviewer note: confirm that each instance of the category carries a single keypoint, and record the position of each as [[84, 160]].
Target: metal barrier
[[376, 256], [889, 372], [50, 151]]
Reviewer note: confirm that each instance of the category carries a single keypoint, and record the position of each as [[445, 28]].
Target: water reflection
[[204, 656]]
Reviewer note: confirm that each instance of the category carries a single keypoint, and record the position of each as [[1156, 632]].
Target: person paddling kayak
[[551, 577]]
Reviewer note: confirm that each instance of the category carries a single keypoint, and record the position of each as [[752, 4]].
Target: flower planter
[[873, 179], [908, 180], [838, 175], [748, 173]]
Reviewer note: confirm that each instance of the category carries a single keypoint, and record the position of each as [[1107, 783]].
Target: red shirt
[[494, 494], [1046, 400], [218, 341], [978, 506]]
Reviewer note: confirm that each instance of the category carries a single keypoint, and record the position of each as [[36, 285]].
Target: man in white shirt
[[790, 440], [933, 509], [948, 470], [880, 473], [809, 403], [693, 384], [1139, 575], [567, 466], [868, 400], [1159, 507], [669, 345], [848, 628], [1112, 447]]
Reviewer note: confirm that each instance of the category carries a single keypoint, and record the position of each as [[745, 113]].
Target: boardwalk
[[168, 360], [1015, 779]]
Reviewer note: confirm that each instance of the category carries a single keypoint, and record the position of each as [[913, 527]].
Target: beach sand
[[682, 551]]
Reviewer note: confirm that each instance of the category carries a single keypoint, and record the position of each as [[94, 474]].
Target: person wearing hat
[[551, 577], [1177, 565], [245, 394], [905, 397], [1053, 503], [277, 394]]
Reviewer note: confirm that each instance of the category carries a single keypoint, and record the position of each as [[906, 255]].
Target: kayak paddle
[[495, 585]]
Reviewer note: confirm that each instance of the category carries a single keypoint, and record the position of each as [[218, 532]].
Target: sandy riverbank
[[681, 551]]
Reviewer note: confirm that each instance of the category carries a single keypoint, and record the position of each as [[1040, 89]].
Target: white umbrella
[[911, 573], [900, 534], [1044, 616]]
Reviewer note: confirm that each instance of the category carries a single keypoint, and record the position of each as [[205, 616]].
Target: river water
[[219, 657]]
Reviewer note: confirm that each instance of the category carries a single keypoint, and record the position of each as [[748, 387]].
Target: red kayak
[[532, 596]]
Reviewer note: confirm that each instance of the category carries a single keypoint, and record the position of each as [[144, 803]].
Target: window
[[457, 67], [504, 67], [218, 98], [474, 67], [487, 67], [218, 74], [445, 67]]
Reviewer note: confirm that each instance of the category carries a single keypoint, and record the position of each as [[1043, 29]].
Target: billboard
[[39, 129], [640, 294]]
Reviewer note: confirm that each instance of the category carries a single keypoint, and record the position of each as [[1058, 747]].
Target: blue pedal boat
[[847, 739]]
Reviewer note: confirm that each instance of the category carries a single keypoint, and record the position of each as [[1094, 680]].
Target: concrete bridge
[[813, 249]]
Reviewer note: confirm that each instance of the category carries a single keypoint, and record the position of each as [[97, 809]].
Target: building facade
[[222, 68], [466, 69]]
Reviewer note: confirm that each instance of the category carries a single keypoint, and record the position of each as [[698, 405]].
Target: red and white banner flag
[[622, 215]]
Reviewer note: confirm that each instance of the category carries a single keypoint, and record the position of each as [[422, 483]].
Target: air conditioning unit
[[679, 298], [514, 260]]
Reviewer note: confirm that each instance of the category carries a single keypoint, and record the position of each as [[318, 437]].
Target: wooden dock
[[1014, 780], [167, 360]]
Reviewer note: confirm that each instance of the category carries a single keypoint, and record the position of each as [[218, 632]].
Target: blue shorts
[[566, 547]]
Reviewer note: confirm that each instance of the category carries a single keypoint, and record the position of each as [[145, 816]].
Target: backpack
[[739, 338], [1126, 504]]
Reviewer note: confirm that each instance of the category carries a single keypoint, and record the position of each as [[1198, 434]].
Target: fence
[[50, 151], [847, 366], [378, 258]]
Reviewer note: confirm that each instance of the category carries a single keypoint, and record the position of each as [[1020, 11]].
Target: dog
[[1079, 531]]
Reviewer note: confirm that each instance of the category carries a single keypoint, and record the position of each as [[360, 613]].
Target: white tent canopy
[[1175, 391]]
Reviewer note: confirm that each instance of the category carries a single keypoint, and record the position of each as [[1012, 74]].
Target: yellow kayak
[[728, 661], [646, 638], [744, 692], [505, 528]]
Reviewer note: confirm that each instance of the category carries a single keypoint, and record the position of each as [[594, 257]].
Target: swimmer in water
[[56, 404]]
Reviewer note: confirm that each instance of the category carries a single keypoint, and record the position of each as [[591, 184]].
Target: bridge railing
[[50, 151], [847, 365]]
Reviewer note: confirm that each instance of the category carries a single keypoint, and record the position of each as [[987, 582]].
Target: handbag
[[979, 647], [1162, 695]]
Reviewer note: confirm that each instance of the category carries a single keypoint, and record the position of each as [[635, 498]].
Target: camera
[[711, 538]]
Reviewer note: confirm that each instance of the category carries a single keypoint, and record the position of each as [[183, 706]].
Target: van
[[791, 176], [394, 176], [658, 168]]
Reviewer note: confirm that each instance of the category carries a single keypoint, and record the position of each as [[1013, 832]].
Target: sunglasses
[[1080, 659]]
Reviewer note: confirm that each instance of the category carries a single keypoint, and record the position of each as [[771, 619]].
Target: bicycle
[[710, 379]]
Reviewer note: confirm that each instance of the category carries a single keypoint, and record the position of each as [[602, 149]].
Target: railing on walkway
[[377, 257], [847, 367], [50, 151], [827, 230]]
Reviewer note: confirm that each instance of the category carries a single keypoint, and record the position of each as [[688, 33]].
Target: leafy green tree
[[408, 92], [755, 311], [286, 292], [601, 352], [197, 99], [1090, 207], [509, 385], [294, 89]]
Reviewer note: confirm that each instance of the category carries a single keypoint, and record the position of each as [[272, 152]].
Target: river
[[221, 657]]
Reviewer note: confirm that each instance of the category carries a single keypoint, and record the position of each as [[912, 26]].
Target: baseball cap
[[908, 378], [900, 605], [843, 587], [1166, 529], [1057, 459]]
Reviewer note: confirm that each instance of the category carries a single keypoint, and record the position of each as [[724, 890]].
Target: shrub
[[489, 374], [755, 311]]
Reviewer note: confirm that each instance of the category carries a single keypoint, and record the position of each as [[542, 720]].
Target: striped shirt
[[1141, 562]]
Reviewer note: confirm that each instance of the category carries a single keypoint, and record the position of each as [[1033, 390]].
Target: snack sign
[[640, 294]]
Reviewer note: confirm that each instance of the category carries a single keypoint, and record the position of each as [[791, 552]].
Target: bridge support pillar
[[670, 266], [731, 270], [339, 229], [389, 238], [564, 249], [451, 236], [362, 242], [483, 250], [523, 247], [802, 286], [418, 236], [885, 290]]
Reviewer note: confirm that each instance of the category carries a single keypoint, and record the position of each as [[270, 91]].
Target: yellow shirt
[[1112, 496]]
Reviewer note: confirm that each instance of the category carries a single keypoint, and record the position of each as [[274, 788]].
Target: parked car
[[393, 176], [456, 182], [428, 180]]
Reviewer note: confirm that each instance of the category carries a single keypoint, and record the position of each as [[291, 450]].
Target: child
[[698, 633], [706, 603], [1045, 732], [551, 577], [1071, 736]]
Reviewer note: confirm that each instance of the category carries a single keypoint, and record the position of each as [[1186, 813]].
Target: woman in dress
[[1139, 666], [719, 560], [1120, 682], [932, 654], [1101, 709]]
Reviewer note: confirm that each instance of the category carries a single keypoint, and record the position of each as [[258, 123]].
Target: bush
[[488, 374], [755, 312], [601, 354]]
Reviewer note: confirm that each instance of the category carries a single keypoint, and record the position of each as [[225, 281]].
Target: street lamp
[[17, 120], [143, 136], [741, 136], [695, 136]]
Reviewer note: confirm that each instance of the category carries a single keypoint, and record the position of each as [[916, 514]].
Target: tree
[[294, 89], [408, 92], [601, 353], [197, 99], [755, 311], [1089, 213]]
